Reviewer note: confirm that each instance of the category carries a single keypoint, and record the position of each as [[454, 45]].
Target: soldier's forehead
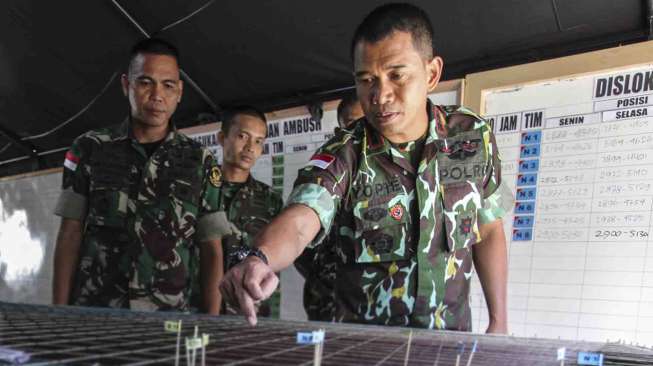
[[250, 124], [155, 66]]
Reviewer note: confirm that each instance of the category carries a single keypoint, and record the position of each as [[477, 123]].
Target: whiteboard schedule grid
[[578, 153]]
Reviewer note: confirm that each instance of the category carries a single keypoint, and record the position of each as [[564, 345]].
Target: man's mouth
[[385, 117], [155, 111]]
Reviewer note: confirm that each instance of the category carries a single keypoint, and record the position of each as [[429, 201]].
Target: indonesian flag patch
[[71, 161], [322, 161]]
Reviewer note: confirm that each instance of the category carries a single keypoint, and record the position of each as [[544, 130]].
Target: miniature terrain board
[[93, 336]]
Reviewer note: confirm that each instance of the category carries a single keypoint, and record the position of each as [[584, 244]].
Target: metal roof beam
[[187, 79]]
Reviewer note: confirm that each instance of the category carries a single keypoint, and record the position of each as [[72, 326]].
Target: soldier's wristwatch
[[237, 256], [256, 252]]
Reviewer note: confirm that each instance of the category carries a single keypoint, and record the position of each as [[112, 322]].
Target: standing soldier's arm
[[491, 262], [211, 272], [211, 226], [66, 256], [72, 207], [490, 255]]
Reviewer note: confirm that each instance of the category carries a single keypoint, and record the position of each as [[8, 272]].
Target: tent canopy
[[61, 61]]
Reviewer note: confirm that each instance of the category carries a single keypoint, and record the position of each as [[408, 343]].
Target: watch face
[[238, 256], [242, 254]]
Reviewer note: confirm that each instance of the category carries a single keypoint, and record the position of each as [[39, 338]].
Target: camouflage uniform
[[405, 234], [142, 217], [249, 206], [318, 267]]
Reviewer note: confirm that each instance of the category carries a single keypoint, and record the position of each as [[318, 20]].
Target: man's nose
[[382, 92]]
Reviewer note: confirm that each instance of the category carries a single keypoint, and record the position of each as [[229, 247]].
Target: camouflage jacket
[[249, 208], [318, 267], [142, 217], [404, 235]]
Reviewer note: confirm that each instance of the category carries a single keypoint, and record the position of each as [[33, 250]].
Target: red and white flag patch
[[71, 161], [322, 161]]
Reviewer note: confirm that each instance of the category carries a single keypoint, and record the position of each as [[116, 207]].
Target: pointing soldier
[[139, 200], [408, 231]]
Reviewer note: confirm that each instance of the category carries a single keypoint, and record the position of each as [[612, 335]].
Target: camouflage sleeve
[[317, 198], [73, 201], [277, 203], [322, 184], [208, 217], [497, 197]]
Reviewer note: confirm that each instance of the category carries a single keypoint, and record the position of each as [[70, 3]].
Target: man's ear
[[221, 138], [124, 81], [181, 90], [434, 72]]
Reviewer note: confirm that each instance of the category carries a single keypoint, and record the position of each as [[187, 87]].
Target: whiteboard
[[578, 153]]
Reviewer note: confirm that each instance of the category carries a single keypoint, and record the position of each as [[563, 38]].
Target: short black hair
[[156, 46], [346, 104], [229, 114], [389, 18]]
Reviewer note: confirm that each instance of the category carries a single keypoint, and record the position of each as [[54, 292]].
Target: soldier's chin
[[245, 165], [387, 129], [155, 120]]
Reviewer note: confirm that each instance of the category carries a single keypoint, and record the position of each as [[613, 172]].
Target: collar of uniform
[[374, 142], [172, 131], [249, 184], [121, 131], [437, 122]]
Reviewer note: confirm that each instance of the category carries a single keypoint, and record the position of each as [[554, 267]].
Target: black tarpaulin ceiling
[[60, 61]]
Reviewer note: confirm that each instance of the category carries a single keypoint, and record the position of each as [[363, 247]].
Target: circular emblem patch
[[397, 212], [215, 176]]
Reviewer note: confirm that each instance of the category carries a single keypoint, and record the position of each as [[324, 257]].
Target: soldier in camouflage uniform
[[349, 111], [318, 265], [414, 193], [248, 203], [136, 199]]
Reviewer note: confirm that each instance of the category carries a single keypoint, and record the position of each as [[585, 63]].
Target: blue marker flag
[[310, 337], [590, 359]]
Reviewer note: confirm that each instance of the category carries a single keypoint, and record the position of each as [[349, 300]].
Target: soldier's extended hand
[[248, 283]]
